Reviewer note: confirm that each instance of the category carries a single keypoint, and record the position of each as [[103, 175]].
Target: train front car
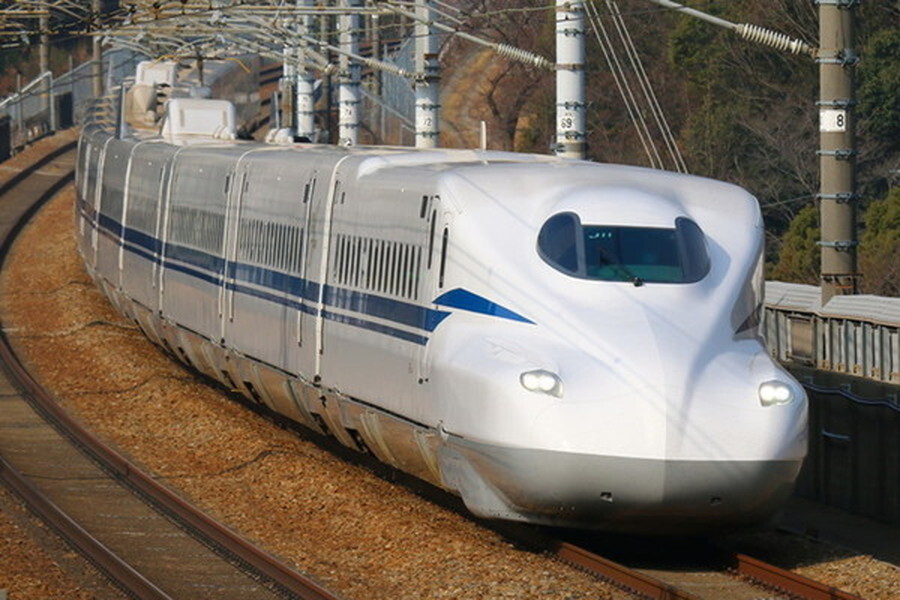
[[602, 365]]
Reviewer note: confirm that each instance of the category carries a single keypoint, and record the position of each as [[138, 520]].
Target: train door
[[320, 222], [89, 155], [236, 188], [304, 321], [434, 274], [94, 203], [120, 282], [162, 227]]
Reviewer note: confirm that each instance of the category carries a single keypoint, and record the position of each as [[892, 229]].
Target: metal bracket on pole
[[840, 246], [842, 154], [841, 198], [841, 103], [845, 58], [839, 3]]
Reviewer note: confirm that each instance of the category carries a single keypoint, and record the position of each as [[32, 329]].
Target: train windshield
[[618, 253]]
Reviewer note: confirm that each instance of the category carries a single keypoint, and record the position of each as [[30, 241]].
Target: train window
[[383, 267], [443, 257], [619, 253], [196, 228], [404, 269], [558, 242], [370, 253], [416, 272], [431, 237], [341, 265], [395, 268]]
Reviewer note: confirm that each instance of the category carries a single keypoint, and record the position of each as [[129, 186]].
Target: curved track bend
[[146, 539]]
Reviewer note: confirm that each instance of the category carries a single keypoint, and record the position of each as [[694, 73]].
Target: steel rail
[[190, 517], [629, 579], [740, 565], [782, 579], [89, 546]]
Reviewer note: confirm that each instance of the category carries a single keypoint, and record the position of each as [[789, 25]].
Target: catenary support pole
[[348, 90], [44, 65], [286, 96], [427, 85], [376, 50], [97, 52], [570, 88], [837, 155], [305, 101], [44, 56]]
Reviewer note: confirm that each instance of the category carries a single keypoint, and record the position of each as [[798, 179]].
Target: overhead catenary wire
[[506, 50], [621, 81], [753, 33], [646, 86]]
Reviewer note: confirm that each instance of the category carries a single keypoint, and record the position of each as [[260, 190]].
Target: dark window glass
[[693, 248], [557, 242], [617, 253]]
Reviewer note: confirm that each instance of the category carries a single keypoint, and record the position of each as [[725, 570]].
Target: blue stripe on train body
[[211, 268]]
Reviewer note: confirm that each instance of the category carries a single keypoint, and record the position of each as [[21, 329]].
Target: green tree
[[798, 261], [879, 254], [879, 88]]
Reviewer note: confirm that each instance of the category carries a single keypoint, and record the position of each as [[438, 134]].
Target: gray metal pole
[[97, 54], [44, 65], [376, 51], [570, 88], [305, 102], [44, 57], [348, 90], [837, 155], [428, 77], [286, 85]]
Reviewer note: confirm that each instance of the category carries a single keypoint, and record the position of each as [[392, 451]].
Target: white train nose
[[615, 493]]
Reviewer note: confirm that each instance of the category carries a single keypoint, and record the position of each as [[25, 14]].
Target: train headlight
[[542, 382], [775, 392]]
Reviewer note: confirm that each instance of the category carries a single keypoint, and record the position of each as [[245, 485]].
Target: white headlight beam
[[542, 381], [775, 392]]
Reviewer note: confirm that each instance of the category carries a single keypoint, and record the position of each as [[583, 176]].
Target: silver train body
[[557, 342]]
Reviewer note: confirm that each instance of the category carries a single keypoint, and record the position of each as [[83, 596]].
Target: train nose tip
[[614, 493]]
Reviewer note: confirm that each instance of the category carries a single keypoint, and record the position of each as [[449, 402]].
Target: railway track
[[697, 570], [49, 469], [148, 540]]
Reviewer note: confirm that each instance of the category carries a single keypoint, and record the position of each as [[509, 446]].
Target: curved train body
[[556, 341]]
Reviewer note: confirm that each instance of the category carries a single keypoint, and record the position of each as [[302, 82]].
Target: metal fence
[[389, 115], [49, 103], [852, 335], [854, 454], [847, 353]]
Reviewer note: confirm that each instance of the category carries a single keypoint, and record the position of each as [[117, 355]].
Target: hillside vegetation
[[740, 112]]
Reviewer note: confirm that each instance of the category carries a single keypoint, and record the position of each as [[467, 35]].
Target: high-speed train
[[556, 341]]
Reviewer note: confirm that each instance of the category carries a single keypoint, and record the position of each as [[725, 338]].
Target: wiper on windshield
[[618, 266]]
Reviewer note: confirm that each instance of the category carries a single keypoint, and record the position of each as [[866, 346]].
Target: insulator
[[522, 56], [779, 41]]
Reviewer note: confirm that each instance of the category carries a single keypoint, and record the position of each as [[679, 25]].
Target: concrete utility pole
[[427, 78], [44, 65], [285, 113], [44, 56], [570, 88], [348, 91], [97, 58], [837, 155], [305, 101]]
